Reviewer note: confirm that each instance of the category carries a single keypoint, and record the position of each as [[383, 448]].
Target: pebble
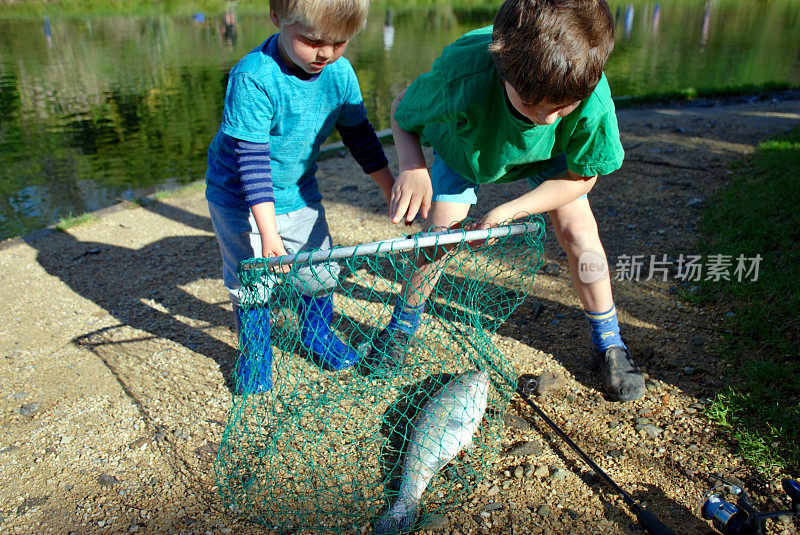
[[525, 449], [615, 454], [492, 507], [559, 474], [139, 443], [29, 408], [543, 511], [493, 491], [8, 449], [107, 480], [30, 503], [551, 269], [550, 382], [651, 430], [512, 421], [437, 523], [519, 471], [542, 471]]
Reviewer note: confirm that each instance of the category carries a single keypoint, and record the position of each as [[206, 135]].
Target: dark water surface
[[95, 110]]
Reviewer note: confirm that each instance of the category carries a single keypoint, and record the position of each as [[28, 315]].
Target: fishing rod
[[647, 520]]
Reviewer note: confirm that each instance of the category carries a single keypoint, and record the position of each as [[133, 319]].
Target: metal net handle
[[419, 241]]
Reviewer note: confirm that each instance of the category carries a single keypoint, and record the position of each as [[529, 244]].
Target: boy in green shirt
[[525, 98]]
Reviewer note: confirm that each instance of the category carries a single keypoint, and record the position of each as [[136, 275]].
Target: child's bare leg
[[390, 346], [576, 231], [420, 282]]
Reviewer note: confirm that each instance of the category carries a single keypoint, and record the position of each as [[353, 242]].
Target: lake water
[[93, 110]]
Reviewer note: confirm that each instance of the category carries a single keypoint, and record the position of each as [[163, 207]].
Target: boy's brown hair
[[552, 50], [337, 20]]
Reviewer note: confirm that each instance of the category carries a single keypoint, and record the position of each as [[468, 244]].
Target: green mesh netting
[[332, 450]]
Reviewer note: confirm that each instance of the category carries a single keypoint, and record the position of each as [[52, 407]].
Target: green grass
[[188, 189], [758, 214], [693, 93], [74, 220]]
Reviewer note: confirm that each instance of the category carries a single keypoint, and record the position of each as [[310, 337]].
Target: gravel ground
[[116, 347]]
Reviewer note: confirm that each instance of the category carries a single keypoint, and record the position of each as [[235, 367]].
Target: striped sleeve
[[255, 173]]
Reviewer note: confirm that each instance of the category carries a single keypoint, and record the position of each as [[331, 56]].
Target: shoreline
[[707, 99]]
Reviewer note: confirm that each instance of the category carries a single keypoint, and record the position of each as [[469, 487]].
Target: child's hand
[[493, 218], [273, 246], [411, 194]]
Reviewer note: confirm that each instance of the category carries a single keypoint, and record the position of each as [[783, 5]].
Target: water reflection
[[706, 25], [628, 21], [107, 108], [656, 18], [228, 29], [388, 31]]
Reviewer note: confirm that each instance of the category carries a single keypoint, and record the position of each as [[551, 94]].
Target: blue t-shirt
[[266, 103]]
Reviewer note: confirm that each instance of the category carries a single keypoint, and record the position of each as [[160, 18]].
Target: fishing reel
[[742, 518]]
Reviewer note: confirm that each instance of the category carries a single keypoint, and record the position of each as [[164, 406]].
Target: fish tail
[[400, 518]]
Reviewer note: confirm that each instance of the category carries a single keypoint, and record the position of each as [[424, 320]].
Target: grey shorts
[[301, 230]]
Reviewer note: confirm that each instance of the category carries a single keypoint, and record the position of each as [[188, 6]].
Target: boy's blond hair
[[336, 20], [552, 50]]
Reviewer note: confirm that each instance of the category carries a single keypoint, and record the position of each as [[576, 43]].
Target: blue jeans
[[301, 230]]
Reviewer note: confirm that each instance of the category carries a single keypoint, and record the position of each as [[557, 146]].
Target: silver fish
[[443, 427]]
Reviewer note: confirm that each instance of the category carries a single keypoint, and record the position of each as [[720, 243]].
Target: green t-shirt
[[459, 108]]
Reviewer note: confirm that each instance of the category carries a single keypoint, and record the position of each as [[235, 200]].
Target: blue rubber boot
[[326, 349], [254, 369]]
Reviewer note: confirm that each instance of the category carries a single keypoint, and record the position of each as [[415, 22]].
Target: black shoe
[[386, 353], [621, 377]]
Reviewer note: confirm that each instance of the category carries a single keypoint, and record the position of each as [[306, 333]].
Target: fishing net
[[326, 450]]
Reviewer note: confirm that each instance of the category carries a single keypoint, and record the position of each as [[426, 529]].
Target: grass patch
[[183, 190], [757, 215], [693, 93], [74, 220]]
